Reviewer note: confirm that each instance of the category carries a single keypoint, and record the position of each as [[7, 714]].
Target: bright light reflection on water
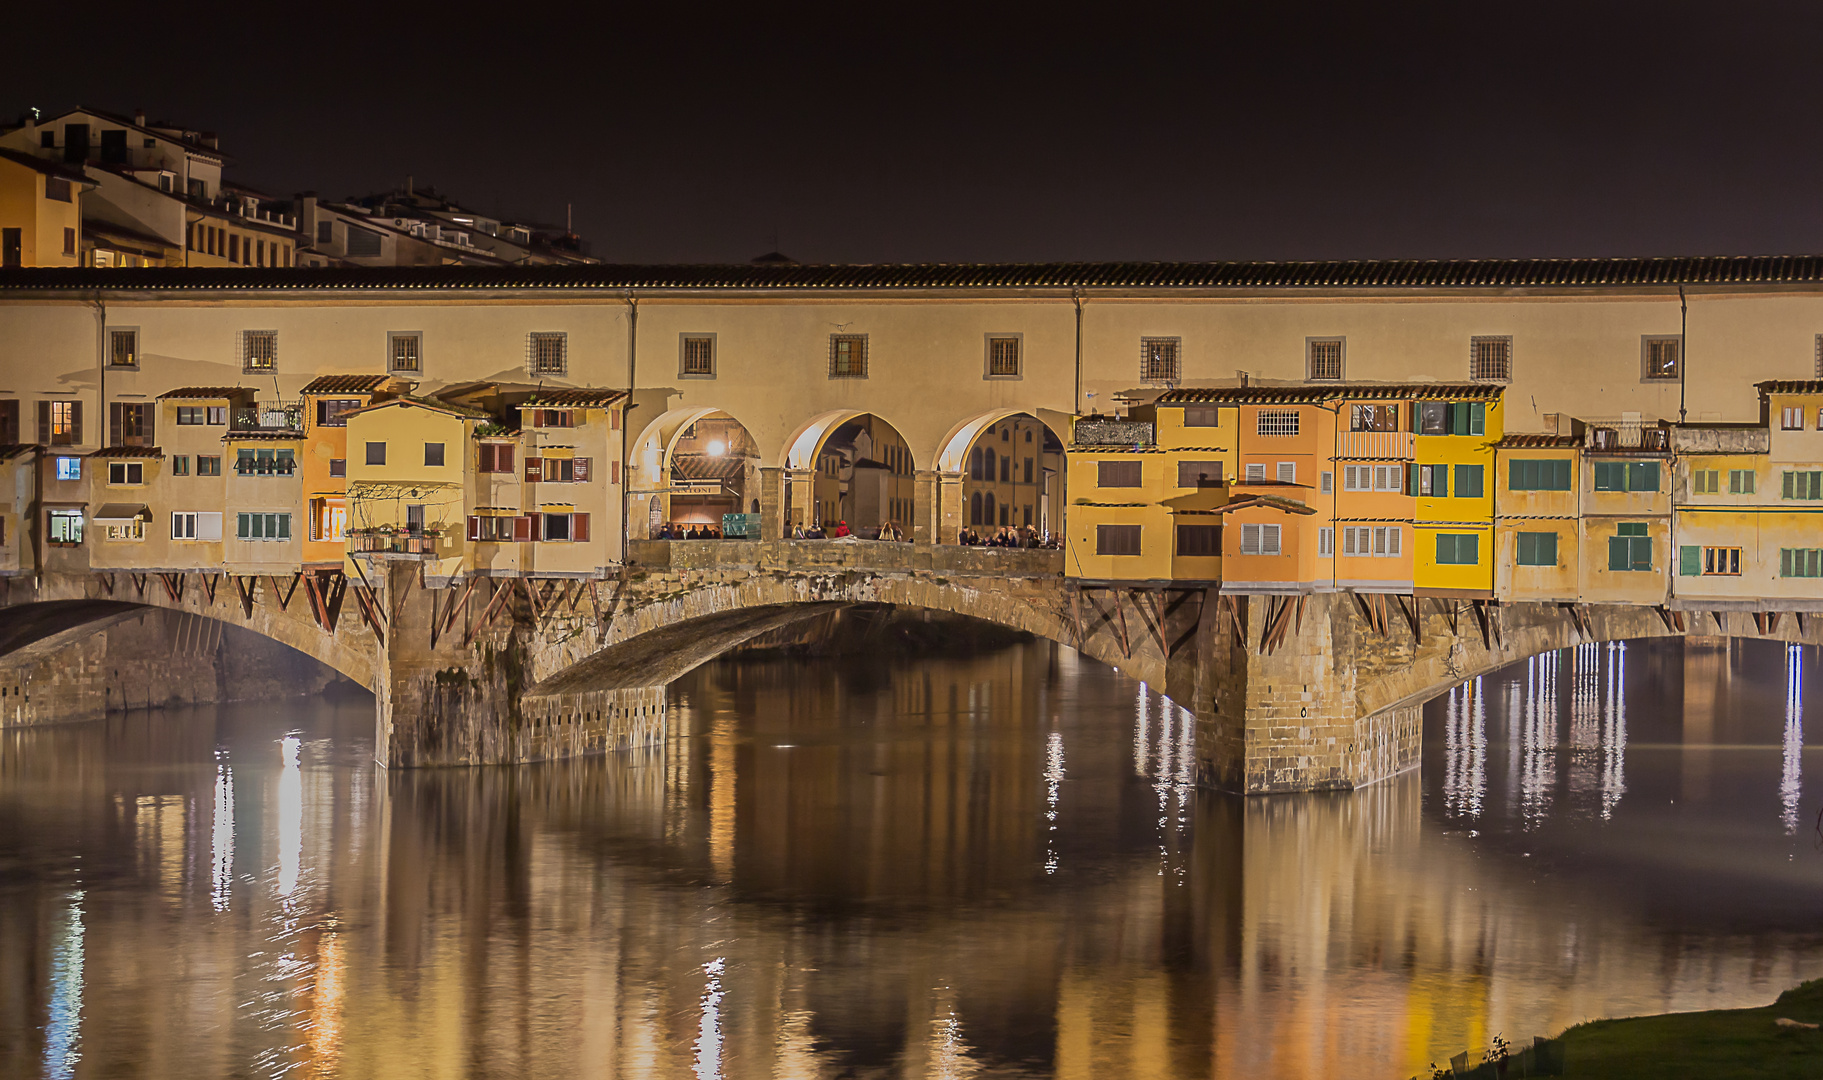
[[993, 865]]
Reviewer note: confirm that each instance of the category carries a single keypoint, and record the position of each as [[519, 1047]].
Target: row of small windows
[[1490, 358], [238, 249], [1421, 418]]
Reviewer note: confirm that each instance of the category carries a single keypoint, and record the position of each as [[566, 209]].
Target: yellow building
[[1014, 477], [1455, 429], [323, 464], [121, 532], [40, 211], [1537, 533], [571, 488], [407, 483], [1625, 487]]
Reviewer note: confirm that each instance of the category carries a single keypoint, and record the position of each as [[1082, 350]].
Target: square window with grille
[[1003, 356], [697, 355], [549, 353], [259, 350], [1323, 358], [405, 352], [1158, 359], [123, 348], [1491, 359], [1661, 356], [1277, 422], [848, 356]]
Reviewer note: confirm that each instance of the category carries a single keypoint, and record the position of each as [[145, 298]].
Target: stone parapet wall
[[829, 556]]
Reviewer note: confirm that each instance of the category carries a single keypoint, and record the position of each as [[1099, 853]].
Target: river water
[[987, 866]]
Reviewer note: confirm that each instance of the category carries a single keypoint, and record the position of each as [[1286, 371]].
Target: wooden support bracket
[[174, 586], [284, 598], [488, 613], [244, 586], [209, 582], [107, 582]]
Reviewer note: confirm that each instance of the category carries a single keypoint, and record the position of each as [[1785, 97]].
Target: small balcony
[[401, 542], [266, 467], [268, 417], [1627, 437], [1376, 445]]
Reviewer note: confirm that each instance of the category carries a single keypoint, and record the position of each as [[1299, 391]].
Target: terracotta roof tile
[[1393, 274], [573, 398], [1790, 386], [1294, 395], [346, 384], [128, 452], [1538, 442], [205, 393]]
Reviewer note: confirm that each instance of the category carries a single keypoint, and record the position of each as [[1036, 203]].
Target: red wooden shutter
[[534, 470], [614, 473], [579, 526], [504, 458], [522, 527], [538, 417], [582, 470], [474, 527], [485, 456], [613, 419]]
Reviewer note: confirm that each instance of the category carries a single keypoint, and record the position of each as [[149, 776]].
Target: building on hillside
[[157, 197], [40, 211], [418, 226]]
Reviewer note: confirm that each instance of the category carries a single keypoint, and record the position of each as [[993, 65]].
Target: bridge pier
[[446, 697]]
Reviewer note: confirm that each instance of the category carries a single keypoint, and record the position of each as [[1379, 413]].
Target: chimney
[[139, 117]]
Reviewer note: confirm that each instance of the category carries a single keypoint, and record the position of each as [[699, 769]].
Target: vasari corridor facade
[[1301, 499]]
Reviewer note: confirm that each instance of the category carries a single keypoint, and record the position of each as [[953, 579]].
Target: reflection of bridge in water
[[953, 866]]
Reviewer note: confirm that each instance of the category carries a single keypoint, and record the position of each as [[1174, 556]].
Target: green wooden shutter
[[1446, 548], [1528, 545], [1639, 553], [1411, 476], [1516, 476], [1642, 476], [1784, 562], [1468, 482], [1459, 417], [1547, 549], [1478, 418], [284, 523], [1690, 560], [1786, 485], [1618, 553]]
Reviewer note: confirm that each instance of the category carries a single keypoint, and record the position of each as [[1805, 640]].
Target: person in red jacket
[[841, 530]]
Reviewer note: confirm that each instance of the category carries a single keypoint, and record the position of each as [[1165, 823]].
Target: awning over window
[[120, 513]]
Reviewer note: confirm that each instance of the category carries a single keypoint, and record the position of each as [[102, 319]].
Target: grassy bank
[[1722, 1044]]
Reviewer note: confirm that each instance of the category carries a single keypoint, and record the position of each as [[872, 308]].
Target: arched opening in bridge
[[861, 473], [1012, 474], [697, 472]]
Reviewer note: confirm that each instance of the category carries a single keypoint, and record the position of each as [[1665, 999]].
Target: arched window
[[987, 464], [974, 464], [987, 509], [974, 507]]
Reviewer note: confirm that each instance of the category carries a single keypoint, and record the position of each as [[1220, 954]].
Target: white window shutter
[[1392, 539], [1288, 472], [1269, 539], [1326, 542], [1250, 539], [208, 526]]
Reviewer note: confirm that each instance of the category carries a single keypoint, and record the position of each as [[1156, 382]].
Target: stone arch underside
[[35, 631], [664, 639]]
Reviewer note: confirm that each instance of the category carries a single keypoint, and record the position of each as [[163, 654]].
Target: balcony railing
[[265, 468], [1627, 437], [1113, 432], [393, 543], [1380, 445], [273, 416]]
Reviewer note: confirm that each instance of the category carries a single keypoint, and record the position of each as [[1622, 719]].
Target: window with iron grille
[[1278, 422], [123, 347], [405, 352], [697, 355], [1323, 358], [848, 356], [549, 353], [1491, 359], [1661, 357], [1003, 356], [1158, 359], [1820, 356], [259, 350]]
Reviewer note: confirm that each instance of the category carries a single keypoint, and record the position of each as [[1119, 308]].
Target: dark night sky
[[974, 133]]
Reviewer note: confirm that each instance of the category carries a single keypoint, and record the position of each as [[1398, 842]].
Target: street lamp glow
[[717, 448]]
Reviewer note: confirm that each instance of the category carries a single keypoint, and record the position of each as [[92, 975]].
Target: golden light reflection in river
[[982, 866]]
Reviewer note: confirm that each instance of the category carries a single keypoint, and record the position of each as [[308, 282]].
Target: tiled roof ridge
[[199, 393], [1413, 274]]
